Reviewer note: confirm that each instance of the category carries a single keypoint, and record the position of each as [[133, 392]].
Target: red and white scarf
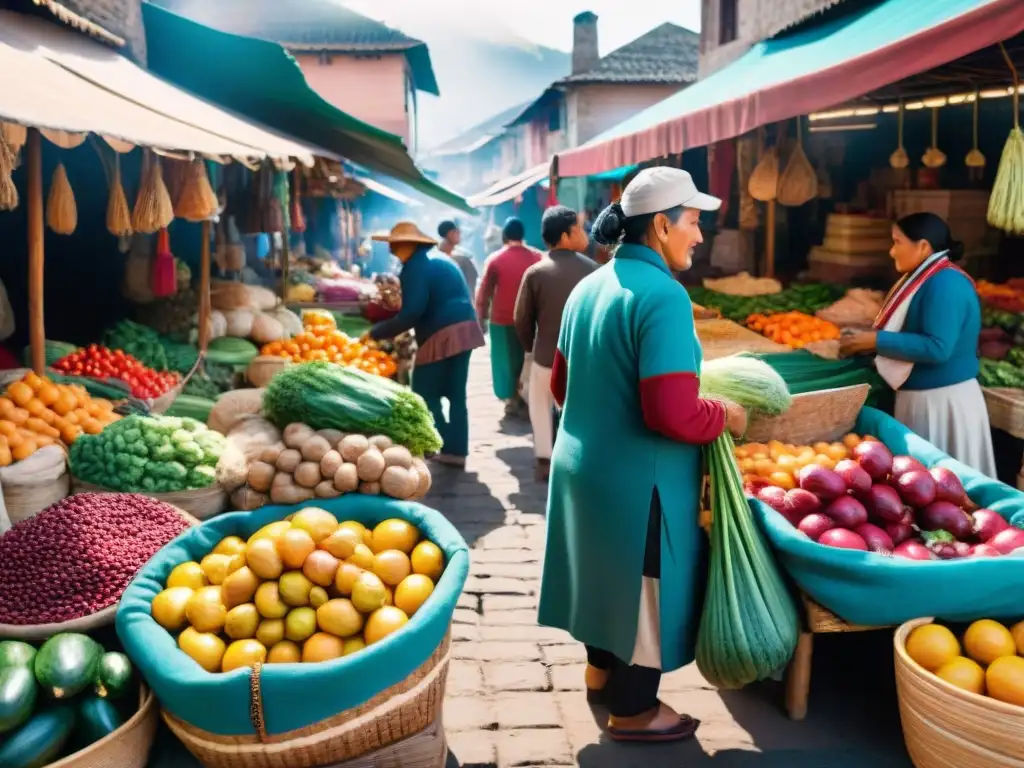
[[893, 313]]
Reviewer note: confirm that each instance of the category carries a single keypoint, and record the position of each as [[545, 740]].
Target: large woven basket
[[392, 717], [201, 504], [1005, 409], [826, 415], [946, 727], [127, 747]]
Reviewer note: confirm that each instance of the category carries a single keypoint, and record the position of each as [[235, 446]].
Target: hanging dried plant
[[15, 135], [196, 200], [119, 215], [61, 211], [153, 209], [764, 181], [975, 158], [799, 181], [899, 159], [8, 192], [933, 156], [175, 172]]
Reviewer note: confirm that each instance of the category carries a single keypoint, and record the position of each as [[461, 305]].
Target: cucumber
[[97, 718], [18, 692], [40, 740], [66, 664], [113, 676], [14, 653]]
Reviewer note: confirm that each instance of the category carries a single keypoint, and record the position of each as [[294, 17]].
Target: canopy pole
[[769, 236], [36, 327], [286, 258], [204, 290]]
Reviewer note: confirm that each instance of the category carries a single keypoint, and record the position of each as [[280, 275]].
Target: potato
[[326, 490], [380, 442], [346, 479], [271, 453], [296, 435], [329, 463], [246, 499], [369, 489], [290, 493], [289, 460], [307, 474], [370, 465], [353, 446], [425, 480], [315, 448], [261, 475], [332, 436], [398, 456], [399, 482]]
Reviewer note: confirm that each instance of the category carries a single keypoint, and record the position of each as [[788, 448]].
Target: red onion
[[847, 512], [987, 524], [913, 550], [876, 539], [853, 474], [875, 458], [841, 538], [885, 504], [899, 532], [815, 525], [903, 464], [916, 488], [1007, 541], [948, 486]]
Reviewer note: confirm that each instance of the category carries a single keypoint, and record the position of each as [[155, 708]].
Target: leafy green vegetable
[[140, 341], [748, 382], [803, 297]]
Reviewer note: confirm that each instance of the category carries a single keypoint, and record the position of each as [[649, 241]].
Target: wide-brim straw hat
[[405, 232]]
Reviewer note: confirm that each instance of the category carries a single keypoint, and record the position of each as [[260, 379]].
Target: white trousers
[[542, 404]]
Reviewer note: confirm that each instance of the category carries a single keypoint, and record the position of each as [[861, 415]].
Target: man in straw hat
[[437, 306]]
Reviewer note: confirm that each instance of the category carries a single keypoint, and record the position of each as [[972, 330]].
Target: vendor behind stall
[[926, 341]]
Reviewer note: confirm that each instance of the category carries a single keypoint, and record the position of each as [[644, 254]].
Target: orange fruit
[[986, 640], [1005, 680], [964, 673], [394, 534], [384, 621], [428, 559], [932, 645], [413, 592], [188, 574], [322, 647], [243, 653], [782, 480], [1017, 630], [392, 566], [284, 652]]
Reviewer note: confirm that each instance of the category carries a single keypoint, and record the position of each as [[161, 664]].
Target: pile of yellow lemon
[[990, 662], [305, 589]]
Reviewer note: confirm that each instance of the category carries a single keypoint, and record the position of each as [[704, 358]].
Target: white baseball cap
[[657, 189]]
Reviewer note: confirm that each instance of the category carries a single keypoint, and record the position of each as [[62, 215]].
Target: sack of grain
[[799, 182], [250, 436], [33, 484], [232, 407]]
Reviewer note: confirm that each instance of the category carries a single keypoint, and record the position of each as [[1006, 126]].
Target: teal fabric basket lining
[[873, 590], [294, 695]]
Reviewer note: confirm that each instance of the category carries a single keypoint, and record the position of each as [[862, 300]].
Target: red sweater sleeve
[[673, 407], [559, 377]]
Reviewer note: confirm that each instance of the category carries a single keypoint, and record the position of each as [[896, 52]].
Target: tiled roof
[[666, 54], [479, 135]]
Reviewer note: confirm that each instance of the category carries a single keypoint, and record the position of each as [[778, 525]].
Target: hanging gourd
[[153, 209], [61, 211], [1006, 205], [764, 181], [933, 156], [899, 159], [196, 199], [975, 159], [798, 184], [8, 192], [119, 215]]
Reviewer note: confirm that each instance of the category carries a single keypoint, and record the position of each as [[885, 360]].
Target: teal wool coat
[[628, 321]]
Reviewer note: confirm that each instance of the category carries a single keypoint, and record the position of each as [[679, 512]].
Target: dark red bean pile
[[78, 556]]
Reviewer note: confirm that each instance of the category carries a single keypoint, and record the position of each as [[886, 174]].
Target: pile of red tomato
[[102, 363]]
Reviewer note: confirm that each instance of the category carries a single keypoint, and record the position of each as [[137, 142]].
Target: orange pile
[[322, 342], [780, 463], [794, 329]]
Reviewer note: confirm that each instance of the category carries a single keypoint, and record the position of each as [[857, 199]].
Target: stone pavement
[[515, 690]]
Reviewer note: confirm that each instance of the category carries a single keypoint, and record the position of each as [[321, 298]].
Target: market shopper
[[926, 343], [437, 306], [496, 302], [538, 317], [450, 245], [624, 499]]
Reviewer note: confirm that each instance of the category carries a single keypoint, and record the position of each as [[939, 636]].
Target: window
[[727, 26]]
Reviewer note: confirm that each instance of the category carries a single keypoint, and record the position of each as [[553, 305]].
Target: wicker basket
[[391, 718], [127, 747], [721, 338], [1005, 409], [200, 504], [826, 415], [946, 727]]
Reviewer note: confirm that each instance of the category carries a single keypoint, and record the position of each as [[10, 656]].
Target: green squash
[[14, 653], [67, 664], [39, 742], [97, 718], [18, 693], [114, 676]]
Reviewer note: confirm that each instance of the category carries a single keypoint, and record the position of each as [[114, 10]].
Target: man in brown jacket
[[538, 316]]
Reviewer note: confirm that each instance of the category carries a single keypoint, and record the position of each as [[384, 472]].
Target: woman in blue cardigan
[[926, 343], [437, 306]]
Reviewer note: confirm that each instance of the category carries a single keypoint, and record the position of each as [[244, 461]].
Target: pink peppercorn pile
[[78, 556]]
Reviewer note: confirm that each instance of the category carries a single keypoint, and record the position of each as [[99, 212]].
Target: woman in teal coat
[[624, 500]]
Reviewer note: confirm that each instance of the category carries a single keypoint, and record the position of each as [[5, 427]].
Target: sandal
[[684, 729]]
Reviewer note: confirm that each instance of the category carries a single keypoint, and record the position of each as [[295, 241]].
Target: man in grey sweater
[[451, 237], [538, 316]]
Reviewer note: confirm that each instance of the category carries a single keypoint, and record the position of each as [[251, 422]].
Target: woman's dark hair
[[933, 230], [557, 221], [613, 226], [422, 248], [513, 231]]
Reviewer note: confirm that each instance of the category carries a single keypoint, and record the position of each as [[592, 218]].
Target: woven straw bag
[[799, 181], [61, 211], [126, 747], [764, 181]]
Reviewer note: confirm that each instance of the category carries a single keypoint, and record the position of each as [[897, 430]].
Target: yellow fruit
[[294, 547], [383, 622], [243, 653], [294, 588], [318, 523], [216, 567], [300, 624], [851, 441], [368, 592], [320, 568], [188, 574], [322, 647], [268, 601], [205, 611], [318, 596], [1017, 630], [270, 632], [342, 543], [392, 566], [272, 531], [1005, 680], [394, 534], [963, 673], [339, 618], [353, 645], [987, 640], [413, 592], [932, 645], [359, 528], [285, 652], [205, 648], [363, 557], [263, 560], [346, 577], [232, 545], [169, 608], [242, 622], [428, 559], [239, 587]]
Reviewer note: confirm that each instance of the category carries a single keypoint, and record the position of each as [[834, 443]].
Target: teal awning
[[260, 80], [810, 70]]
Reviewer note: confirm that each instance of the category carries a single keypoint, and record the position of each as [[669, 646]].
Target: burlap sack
[[33, 484]]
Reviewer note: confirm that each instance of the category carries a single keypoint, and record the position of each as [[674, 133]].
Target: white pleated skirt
[[953, 419]]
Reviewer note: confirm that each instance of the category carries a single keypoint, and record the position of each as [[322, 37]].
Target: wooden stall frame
[[36, 324]]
